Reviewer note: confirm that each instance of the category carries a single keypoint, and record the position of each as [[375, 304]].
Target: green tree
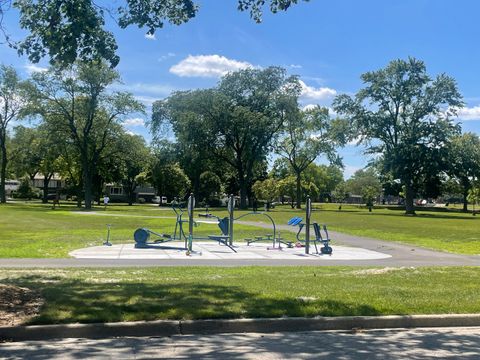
[[67, 30], [325, 178], [404, 115], [236, 121], [210, 186], [474, 196], [170, 180], [287, 187], [133, 158], [49, 151], [365, 182], [78, 102], [25, 154], [13, 97], [25, 190], [266, 190], [464, 161], [307, 135], [340, 193]]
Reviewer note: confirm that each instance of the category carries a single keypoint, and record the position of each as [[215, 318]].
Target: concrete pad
[[213, 251]]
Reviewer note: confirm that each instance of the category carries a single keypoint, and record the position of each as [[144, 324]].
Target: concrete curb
[[181, 327]]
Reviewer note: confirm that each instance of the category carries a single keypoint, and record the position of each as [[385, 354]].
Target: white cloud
[[130, 132], [159, 90], [295, 66], [349, 170], [147, 100], [356, 141], [472, 113], [32, 68], [312, 93], [150, 37], [309, 107], [134, 122], [207, 66], [166, 56]]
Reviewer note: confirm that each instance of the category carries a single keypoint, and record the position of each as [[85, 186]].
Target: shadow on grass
[[70, 301]]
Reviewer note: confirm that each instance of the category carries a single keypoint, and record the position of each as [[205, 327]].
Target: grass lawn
[[34, 230], [129, 294]]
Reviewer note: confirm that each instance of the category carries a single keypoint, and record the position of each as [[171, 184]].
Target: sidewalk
[[445, 343]]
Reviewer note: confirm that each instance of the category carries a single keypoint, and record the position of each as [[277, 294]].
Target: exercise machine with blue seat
[[323, 239]]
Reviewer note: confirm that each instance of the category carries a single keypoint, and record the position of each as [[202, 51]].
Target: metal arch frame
[[264, 214]]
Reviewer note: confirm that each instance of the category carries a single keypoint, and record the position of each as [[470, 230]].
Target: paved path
[[444, 343], [401, 255]]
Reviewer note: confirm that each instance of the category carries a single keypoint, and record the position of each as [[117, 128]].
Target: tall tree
[[67, 30], [12, 103], [307, 135], [170, 180], [78, 100], [49, 150], [25, 155], [464, 160], [236, 121], [326, 178], [134, 159], [404, 114]]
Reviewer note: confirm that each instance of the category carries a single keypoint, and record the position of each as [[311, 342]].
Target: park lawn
[[450, 231], [131, 294], [33, 230]]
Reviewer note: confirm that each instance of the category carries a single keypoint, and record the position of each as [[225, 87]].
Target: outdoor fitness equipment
[[297, 221], [231, 220], [142, 235]]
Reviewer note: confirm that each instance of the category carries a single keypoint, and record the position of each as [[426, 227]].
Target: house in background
[[55, 184], [11, 186], [117, 193]]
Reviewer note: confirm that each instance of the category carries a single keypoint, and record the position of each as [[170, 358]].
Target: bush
[[25, 190], [141, 200]]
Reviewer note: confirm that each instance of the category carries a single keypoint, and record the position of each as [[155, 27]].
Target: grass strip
[[131, 294]]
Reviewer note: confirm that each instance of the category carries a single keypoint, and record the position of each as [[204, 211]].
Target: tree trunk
[[409, 206], [46, 180], [87, 186], [131, 194], [465, 195], [299, 191], [243, 193], [242, 183], [3, 174]]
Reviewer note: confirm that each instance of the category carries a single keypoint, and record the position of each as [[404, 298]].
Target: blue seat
[[295, 221]]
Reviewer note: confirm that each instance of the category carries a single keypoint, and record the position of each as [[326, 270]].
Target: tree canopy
[[67, 31], [405, 116], [236, 121]]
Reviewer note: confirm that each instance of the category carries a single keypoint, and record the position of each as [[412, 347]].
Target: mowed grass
[[130, 294], [34, 230], [450, 231]]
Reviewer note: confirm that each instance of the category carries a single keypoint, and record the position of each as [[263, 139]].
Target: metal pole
[[190, 207], [231, 209], [108, 243], [308, 213]]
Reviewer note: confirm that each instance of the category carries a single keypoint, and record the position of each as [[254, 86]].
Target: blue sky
[[328, 43]]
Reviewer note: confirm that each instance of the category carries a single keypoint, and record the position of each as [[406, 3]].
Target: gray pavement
[[426, 343]]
